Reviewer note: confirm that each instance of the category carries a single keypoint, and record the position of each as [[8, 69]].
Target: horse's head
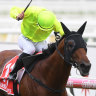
[[75, 49]]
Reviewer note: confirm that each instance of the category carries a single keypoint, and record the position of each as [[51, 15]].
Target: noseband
[[71, 61]]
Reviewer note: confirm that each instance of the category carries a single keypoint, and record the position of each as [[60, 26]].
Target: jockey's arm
[[17, 12], [58, 27]]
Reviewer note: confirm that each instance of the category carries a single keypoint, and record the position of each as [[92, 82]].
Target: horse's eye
[[71, 45]]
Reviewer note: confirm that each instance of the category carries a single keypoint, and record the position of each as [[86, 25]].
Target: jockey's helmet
[[46, 20]]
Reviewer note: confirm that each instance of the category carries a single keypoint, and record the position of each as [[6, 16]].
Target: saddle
[[30, 61]]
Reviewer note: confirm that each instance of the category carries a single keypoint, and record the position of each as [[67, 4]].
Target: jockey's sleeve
[[34, 10], [58, 27], [15, 11]]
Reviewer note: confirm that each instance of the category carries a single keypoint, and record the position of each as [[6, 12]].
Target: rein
[[71, 62], [39, 81], [43, 85]]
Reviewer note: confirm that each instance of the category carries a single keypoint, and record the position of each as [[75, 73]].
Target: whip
[[27, 5], [25, 8]]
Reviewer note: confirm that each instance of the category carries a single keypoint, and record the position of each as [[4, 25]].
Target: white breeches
[[29, 47]]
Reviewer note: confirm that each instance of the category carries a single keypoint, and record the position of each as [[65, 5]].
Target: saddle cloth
[[5, 84]]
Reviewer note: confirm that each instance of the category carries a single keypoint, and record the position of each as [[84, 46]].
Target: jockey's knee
[[29, 51], [42, 48]]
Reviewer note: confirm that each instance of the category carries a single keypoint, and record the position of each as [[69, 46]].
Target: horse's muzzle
[[84, 68]]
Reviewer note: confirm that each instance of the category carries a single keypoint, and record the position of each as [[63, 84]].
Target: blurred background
[[73, 13]]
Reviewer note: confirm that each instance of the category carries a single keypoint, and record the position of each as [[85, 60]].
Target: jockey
[[37, 25]]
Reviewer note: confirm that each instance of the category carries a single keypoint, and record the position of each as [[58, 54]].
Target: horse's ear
[[65, 29], [82, 28]]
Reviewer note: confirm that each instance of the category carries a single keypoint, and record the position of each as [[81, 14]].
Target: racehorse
[[51, 73]]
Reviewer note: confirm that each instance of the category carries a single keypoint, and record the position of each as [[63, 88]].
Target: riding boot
[[18, 65]]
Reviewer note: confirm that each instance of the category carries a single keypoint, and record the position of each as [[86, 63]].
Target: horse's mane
[[51, 47], [45, 54]]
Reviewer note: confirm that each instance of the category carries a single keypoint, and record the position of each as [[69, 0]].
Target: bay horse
[[51, 73]]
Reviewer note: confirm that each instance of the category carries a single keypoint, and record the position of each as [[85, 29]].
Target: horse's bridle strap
[[61, 54], [58, 38]]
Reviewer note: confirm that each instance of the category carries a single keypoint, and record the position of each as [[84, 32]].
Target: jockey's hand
[[20, 16]]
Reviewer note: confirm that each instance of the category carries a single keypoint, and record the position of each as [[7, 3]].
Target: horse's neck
[[55, 71], [52, 71]]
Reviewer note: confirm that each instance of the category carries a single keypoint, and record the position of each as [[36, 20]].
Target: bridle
[[71, 62]]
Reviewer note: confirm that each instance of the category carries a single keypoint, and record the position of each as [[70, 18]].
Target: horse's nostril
[[85, 67], [82, 65]]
